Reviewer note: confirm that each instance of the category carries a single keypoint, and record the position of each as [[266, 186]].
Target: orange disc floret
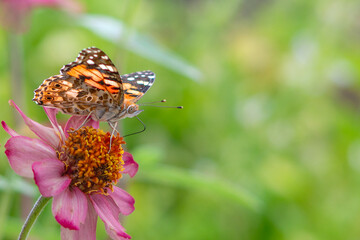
[[89, 163]]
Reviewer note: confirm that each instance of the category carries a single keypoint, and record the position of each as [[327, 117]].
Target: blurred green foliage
[[268, 143]]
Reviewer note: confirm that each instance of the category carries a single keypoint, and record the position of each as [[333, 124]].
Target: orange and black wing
[[136, 84], [89, 82], [94, 68]]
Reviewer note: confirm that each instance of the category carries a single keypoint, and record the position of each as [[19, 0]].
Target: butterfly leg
[[112, 133], [83, 123]]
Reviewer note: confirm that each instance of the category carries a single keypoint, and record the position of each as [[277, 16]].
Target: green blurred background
[[268, 143]]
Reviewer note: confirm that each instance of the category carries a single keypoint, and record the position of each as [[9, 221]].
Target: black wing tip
[[148, 73], [92, 47]]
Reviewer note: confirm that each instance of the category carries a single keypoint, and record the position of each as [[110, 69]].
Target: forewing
[[136, 84], [94, 68], [89, 82]]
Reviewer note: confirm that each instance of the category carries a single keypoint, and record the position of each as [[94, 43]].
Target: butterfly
[[92, 86]]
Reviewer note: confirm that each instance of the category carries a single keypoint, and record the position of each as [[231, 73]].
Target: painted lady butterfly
[[92, 86]]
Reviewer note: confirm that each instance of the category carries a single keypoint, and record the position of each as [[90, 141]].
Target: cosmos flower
[[76, 168]]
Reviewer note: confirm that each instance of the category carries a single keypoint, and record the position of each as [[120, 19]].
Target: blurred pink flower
[[15, 12], [81, 190]]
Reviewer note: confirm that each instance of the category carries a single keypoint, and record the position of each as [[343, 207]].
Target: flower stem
[[31, 218]]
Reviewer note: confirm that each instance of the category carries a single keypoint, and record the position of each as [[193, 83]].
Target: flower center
[[89, 163]]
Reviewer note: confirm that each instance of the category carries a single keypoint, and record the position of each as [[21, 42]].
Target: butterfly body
[[92, 86]]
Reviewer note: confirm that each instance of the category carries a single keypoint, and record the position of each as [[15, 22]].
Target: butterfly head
[[133, 110]]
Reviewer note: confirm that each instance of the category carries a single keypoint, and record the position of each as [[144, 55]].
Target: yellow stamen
[[89, 163]]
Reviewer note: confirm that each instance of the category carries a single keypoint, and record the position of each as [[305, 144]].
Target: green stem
[[31, 218], [4, 208]]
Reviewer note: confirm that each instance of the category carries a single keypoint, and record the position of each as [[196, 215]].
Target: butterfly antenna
[[162, 101], [138, 131], [179, 107]]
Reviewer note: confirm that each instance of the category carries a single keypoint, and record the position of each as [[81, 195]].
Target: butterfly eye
[[131, 109]]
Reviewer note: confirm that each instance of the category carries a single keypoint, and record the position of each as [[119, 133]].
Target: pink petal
[[8, 129], [113, 235], [108, 211], [130, 166], [51, 113], [22, 152], [76, 122], [50, 178], [123, 200], [87, 229], [45, 133], [70, 208]]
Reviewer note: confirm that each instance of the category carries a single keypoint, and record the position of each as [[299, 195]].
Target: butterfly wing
[[136, 84], [96, 69], [89, 82]]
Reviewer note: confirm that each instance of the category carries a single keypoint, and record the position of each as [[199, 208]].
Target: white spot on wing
[[111, 68], [90, 62], [102, 66], [105, 57], [132, 91], [140, 82]]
